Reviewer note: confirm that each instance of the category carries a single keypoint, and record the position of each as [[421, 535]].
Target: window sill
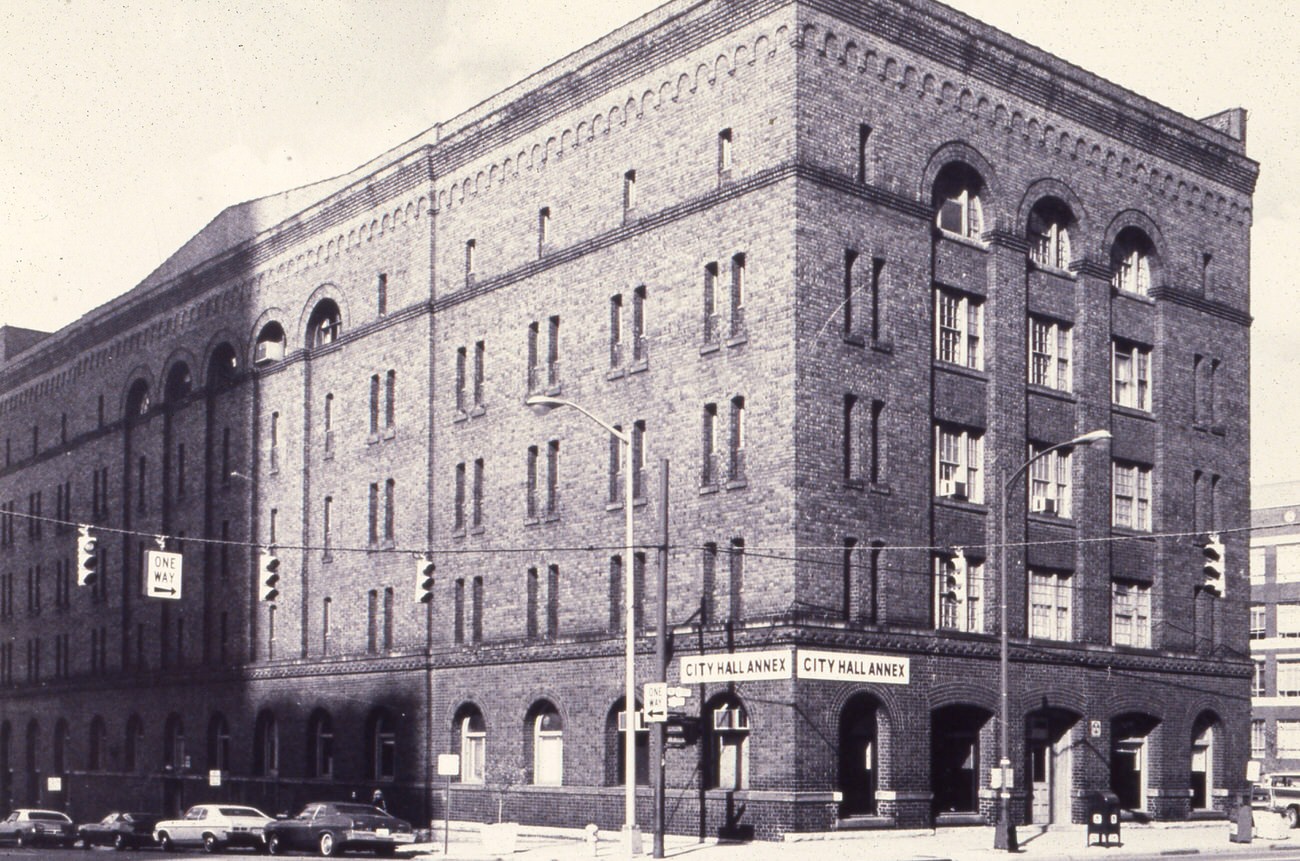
[[1035, 266], [614, 506], [1061, 520], [388, 544], [1217, 430], [738, 339], [389, 433], [1133, 412], [458, 532], [328, 454], [1140, 298], [615, 374], [961, 504], [551, 518], [639, 366], [710, 347], [476, 530], [883, 345], [1049, 392], [478, 410], [327, 558], [372, 439], [881, 488], [461, 416], [1130, 532], [552, 391], [961, 370], [711, 487], [855, 339], [736, 484], [960, 239]]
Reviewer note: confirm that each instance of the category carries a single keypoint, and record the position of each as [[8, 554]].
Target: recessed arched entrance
[[955, 757], [1129, 739], [1048, 764], [857, 756]]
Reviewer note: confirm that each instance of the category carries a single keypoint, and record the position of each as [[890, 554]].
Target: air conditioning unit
[[640, 721], [268, 351], [1044, 505], [729, 718], [954, 489]]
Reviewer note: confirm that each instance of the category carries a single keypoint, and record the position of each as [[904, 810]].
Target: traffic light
[[954, 579], [424, 581], [1214, 555], [87, 557], [269, 565]]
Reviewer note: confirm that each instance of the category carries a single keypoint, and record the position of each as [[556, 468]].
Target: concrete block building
[[1274, 623], [845, 267]]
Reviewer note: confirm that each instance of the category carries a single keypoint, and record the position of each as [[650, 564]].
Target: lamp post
[[629, 619], [1004, 835]]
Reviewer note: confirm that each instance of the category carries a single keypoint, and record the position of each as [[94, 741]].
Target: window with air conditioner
[[959, 460]]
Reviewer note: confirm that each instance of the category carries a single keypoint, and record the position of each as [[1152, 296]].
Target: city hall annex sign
[[791, 663]]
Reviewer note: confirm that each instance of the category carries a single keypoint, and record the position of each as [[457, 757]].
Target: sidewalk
[[956, 843]]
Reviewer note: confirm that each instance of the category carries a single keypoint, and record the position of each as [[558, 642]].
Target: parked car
[[332, 827], [120, 830], [28, 827], [214, 827], [1279, 793]]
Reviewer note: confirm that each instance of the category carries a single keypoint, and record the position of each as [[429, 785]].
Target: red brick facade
[[801, 249]]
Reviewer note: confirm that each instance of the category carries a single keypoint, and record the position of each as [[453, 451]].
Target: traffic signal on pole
[[424, 581], [87, 557], [269, 566], [1214, 568]]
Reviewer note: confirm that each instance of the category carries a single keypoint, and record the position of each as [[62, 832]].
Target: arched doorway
[[1048, 764], [857, 756], [1203, 774], [955, 757], [1129, 739]]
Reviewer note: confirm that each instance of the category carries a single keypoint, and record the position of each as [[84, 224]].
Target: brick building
[[1274, 623], [843, 266]]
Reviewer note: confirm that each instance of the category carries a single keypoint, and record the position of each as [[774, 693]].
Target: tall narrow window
[[616, 331], [461, 361], [1130, 614], [390, 512], [533, 585], [639, 346], [638, 460], [477, 510], [736, 581], [1131, 499], [864, 136], [388, 619], [959, 333], [471, 249], [374, 405], [615, 467], [274, 437], [458, 509], [959, 456], [876, 444], [736, 472], [738, 295], [530, 499], [329, 424], [711, 321], [852, 442], [849, 579], [711, 470], [629, 190], [1049, 481], [553, 478], [476, 611], [534, 358], [553, 601], [390, 400], [374, 516], [480, 360], [851, 295], [616, 593], [372, 621], [543, 229], [1130, 261], [381, 293], [326, 606], [724, 152], [327, 518], [553, 355], [473, 747], [708, 582], [458, 628]]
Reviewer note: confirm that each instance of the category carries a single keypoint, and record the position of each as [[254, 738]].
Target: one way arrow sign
[[162, 575]]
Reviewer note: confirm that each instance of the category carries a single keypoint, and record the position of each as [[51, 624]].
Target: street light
[[629, 619], [1004, 836]]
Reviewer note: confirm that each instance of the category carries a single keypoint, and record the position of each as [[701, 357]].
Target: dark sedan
[[26, 827], [120, 830], [333, 827]]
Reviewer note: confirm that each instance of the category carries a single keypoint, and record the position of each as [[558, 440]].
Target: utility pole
[[657, 735]]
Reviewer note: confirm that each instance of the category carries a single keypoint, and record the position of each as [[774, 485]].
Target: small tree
[[508, 777]]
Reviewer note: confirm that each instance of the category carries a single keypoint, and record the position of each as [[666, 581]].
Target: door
[[1126, 772], [1202, 769], [1040, 783], [857, 758]]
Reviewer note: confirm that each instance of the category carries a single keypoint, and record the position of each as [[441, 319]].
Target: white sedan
[[214, 827]]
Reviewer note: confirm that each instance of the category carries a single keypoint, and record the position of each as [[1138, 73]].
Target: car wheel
[[165, 841], [210, 845], [328, 844], [20, 841], [119, 842], [274, 846], [1292, 817]]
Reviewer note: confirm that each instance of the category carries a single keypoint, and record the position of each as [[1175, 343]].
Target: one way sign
[[162, 575]]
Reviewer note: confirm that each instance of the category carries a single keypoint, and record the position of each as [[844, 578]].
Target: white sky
[[127, 126]]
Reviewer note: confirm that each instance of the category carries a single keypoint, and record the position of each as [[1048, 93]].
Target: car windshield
[[140, 817], [48, 816], [242, 811], [359, 810]]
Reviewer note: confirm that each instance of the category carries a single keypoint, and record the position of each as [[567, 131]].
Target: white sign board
[[656, 702], [738, 667], [1094, 728], [214, 777], [448, 764], [851, 667], [54, 784], [162, 575]]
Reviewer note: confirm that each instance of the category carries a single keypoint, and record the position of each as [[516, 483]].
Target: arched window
[[381, 747], [270, 344], [179, 383], [320, 734], [266, 745], [547, 735], [218, 743], [223, 367], [1130, 262], [137, 400], [471, 735], [61, 745], [325, 324], [728, 729], [134, 747], [1048, 232], [174, 743], [956, 200]]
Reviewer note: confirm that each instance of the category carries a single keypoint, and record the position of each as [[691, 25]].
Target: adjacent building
[[845, 267], [1274, 624]]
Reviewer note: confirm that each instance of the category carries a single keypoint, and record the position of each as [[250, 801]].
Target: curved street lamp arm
[[1084, 439], [547, 401]]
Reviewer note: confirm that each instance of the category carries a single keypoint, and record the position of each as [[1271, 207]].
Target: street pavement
[[971, 843]]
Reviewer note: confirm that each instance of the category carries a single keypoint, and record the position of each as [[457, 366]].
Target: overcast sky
[[127, 126]]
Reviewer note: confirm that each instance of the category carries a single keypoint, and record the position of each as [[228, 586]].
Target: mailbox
[[1103, 816]]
